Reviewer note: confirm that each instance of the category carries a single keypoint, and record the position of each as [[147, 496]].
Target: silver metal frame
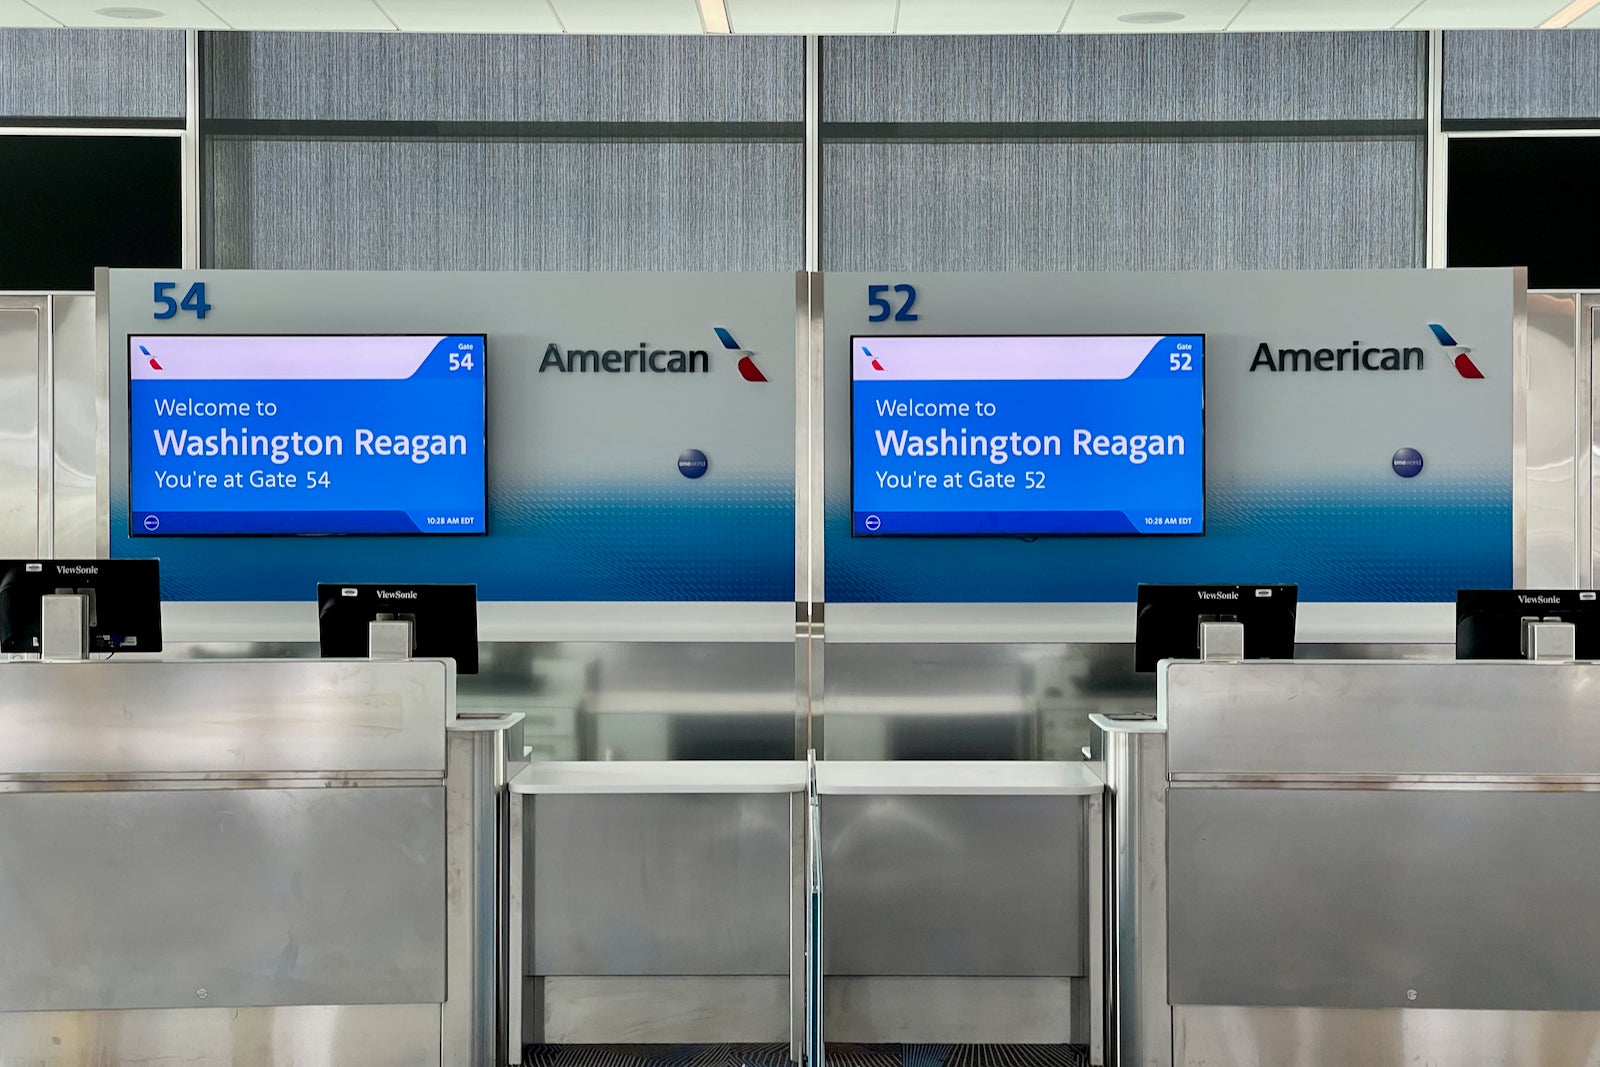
[[1519, 427], [191, 149], [42, 415], [1436, 226]]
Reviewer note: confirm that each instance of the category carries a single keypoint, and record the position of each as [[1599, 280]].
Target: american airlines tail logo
[[153, 364], [875, 364], [747, 364], [1462, 362]]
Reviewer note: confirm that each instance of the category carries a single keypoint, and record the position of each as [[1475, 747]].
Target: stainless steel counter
[[657, 902], [1368, 862], [252, 862], [962, 902]]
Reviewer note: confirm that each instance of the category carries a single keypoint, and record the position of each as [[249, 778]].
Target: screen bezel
[[1205, 370], [143, 535]]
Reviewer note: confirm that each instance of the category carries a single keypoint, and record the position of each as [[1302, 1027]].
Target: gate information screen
[[1028, 436], [306, 435]]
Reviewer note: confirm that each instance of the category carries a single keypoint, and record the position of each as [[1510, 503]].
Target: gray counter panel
[[658, 884], [259, 897], [954, 885], [1355, 717], [1480, 899], [220, 718]]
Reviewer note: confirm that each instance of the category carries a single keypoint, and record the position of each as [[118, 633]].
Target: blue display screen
[[306, 435], [1028, 436]]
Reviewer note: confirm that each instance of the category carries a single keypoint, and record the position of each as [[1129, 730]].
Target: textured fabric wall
[[1123, 205], [1531, 74], [476, 78], [1124, 78], [505, 205], [91, 73]]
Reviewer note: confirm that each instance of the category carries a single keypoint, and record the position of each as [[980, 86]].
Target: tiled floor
[[839, 1055]]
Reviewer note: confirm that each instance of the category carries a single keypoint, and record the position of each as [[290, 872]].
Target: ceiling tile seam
[[386, 16], [1409, 12], [1235, 16], [551, 4], [46, 14], [207, 8]]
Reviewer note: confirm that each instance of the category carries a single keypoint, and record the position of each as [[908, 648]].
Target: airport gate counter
[[894, 572], [238, 858], [1362, 861]]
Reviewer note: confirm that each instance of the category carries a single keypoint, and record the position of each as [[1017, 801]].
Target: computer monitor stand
[[1221, 641], [1549, 641], [390, 639], [63, 627]]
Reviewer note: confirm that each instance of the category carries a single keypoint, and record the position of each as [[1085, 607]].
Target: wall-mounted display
[[306, 434], [1027, 436]]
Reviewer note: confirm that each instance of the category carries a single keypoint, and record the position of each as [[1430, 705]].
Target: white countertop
[[662, 776], [1152, 725], [957, 777]]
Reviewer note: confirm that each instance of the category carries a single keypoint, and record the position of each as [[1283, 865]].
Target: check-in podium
[[246, 862], [1357, 862], [962, 903], [657, 903]]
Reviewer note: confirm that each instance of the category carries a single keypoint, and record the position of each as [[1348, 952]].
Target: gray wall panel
[[481, 78], [1124, 78], [1123, 205], [91, 73], [1527, 74], [498, 205]]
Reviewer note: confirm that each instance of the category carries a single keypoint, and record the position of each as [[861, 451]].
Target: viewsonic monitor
[[444, 619], [124, 601], [1489, 621], [1169, 618]]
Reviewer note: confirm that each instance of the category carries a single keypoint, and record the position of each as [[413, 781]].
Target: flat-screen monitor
[[71, 201], [299, 434], [1027, 436], [444, 620], [124, 601], [1169, 618], [1489, 621]]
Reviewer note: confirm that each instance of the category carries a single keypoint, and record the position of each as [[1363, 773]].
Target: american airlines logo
[[1360, 356], [648, 359]]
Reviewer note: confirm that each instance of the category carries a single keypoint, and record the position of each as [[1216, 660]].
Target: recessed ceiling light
[[129, 12], [1150, 18], [714, 16], [1567, 15]]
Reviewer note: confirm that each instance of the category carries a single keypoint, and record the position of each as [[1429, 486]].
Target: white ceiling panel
[[1263, 16], [812, 16], [355, 15], [189, 14], [1199, 16], [628, 16], [1480, 14], [992, 16], [17, 13], [1588, 21], [471, 16]]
